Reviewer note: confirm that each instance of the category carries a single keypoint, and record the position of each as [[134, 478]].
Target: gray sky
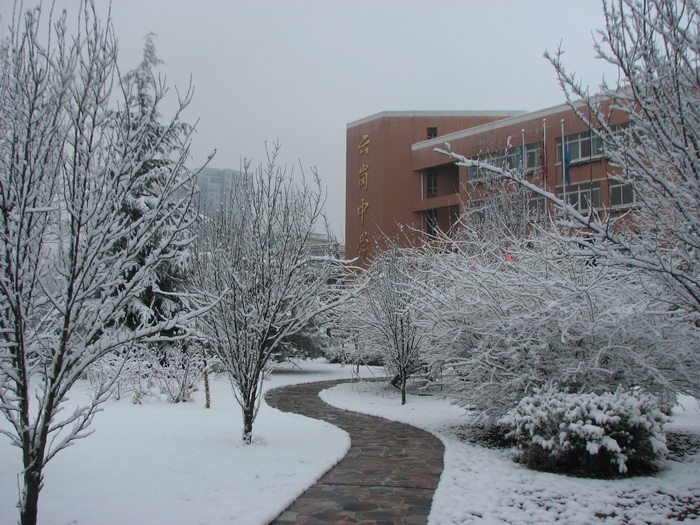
[[300, 70]]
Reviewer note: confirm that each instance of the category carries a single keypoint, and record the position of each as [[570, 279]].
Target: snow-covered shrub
[[588, 434], [128, 373], [179, 370], [501, 326], [174, 370]]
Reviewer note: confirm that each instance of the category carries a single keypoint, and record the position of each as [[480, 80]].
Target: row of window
[[585, 195], [581, 146], [580, 196], [586, 145], [511, 158]]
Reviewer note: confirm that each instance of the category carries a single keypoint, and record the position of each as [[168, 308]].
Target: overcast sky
[[300, 70]]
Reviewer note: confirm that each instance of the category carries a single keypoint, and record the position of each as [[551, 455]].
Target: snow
[[162, 463], [481, 485], [171, 464]]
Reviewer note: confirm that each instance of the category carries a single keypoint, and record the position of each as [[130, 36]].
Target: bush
[[487, 433], [593, 435], [179, 370], [125, 373], [174, 370]]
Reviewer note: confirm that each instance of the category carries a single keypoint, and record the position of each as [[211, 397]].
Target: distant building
[[214, 186], [321, 244], [397, 185]]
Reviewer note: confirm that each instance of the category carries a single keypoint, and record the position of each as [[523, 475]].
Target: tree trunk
[[403, 390], [248, 417], [30, 499], [207, 396]]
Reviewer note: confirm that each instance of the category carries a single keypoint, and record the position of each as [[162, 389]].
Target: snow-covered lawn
[[160, 463], [180, 464]]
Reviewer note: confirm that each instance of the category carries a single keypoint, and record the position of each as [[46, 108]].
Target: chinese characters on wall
[[363, 149]]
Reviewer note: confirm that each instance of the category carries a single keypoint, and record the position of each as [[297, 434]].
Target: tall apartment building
[[398, 186], [215, 186]]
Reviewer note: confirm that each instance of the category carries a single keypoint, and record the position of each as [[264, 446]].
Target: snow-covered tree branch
[[383, 320], [254, 253], [74, 148], [655, 45]]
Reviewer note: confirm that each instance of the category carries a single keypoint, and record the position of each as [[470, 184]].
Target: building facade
[[215, 187], [399, 187]]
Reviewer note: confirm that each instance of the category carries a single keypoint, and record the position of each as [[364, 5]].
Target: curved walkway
[[388, 476]]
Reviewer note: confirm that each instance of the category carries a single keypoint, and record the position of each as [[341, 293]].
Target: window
[[536, 205], [625, 136], [582, 196], [532, 155], [431, 222], [432, 178], [622, 128], [621, 193], [507, 159], [432, 133], [477, 211], [582, 146]]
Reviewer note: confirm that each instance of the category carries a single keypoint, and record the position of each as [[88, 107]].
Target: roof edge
[[523, 117], [385, 114]]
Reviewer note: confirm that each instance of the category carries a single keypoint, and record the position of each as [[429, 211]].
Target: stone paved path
[[388, 476]]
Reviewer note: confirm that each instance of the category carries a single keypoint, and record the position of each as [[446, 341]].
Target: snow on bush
[[173, 370], [179, 370], [129, 373], [588, 434]]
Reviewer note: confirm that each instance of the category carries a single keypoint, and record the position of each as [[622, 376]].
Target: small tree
[[70, 261], [254, 253], [383, 317]]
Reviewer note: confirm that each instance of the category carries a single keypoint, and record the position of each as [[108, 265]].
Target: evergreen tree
[[146, 89]]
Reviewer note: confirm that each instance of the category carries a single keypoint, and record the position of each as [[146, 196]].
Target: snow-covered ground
[[485, 486], [181, 464], [160, 463]]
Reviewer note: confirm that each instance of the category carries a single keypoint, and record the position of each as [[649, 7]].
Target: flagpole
[[543, 164], [563, 160], [523, 153], [543, 156]]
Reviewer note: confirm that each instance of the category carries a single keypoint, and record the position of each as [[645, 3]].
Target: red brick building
[[397, 185]]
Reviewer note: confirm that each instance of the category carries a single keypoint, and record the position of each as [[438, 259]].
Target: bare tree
[[255, 254], [71, 261], [655, 44], [382, 318]]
